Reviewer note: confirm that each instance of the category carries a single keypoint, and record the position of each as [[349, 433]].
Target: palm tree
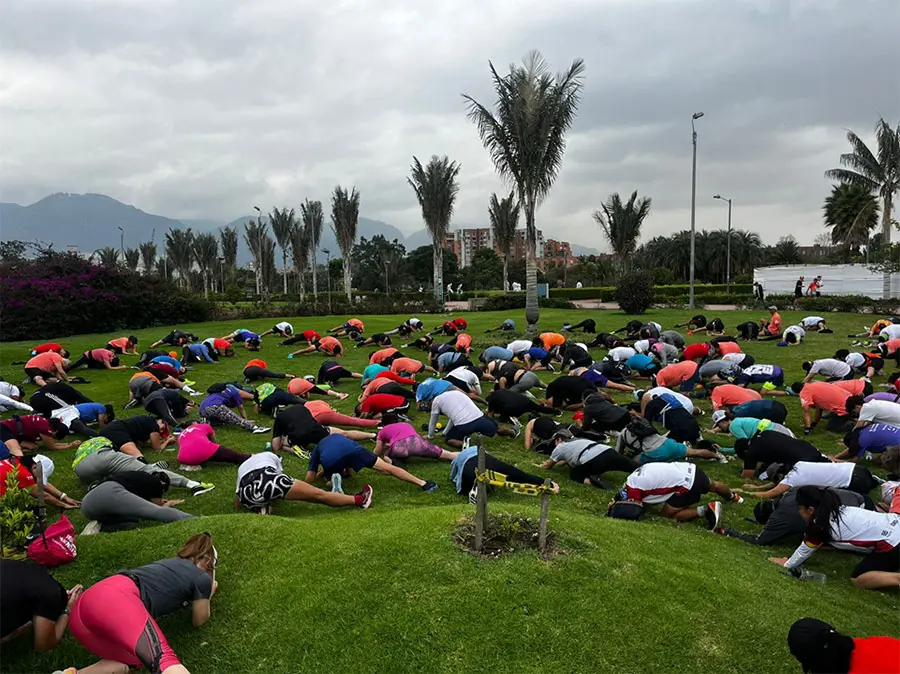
[[107, 257], [206, 253], [786, 251], [132, 259], [874, 173], [345, 218], [621, 223], [179, 251], [148, 256], [313, 220], [228, 242], [504, 215], [436, 188], [300, 250], [525, 135], [283, 223], [254, 233], [851, 211]]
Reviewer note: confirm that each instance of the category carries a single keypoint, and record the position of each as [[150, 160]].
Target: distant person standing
[[758, 290], [798, 287], [814, 287], [579, 285]]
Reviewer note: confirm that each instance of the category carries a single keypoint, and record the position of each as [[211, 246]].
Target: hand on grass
[[73, 594]]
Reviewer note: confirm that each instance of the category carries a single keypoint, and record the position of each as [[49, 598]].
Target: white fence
[[837, 279]]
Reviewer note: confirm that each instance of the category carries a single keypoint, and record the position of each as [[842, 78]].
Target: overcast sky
[[200, 109]]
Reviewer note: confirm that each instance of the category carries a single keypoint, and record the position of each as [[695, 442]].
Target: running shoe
[[721, 458], [337, 484], [188, 468], [130, 404], [164, 465], [600, 483], [430, 487], [364, 498], [92, 528], [290, 356], [769, 386], [202, 488], [473, 494], [713, 514], [736, 498], [188, 382], [789, 391], [196, 393], [259, 430], [300, 453]]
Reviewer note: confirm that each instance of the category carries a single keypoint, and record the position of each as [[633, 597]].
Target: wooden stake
[[545, 517], [481, 500]]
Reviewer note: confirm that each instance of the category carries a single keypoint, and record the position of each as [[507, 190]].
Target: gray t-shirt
[[571, 451], [719, 368], [170, 584]]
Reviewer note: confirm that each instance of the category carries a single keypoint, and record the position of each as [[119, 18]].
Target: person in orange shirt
[[890, 349], [723, 347], [463, 343], [824, 397], [46, 367], [352, 325], [123, 345], [551, 339], [410, 367], [385, 356], [326, 415], [330, 346], [771, 326], [685, 375], [303, 386], [728, 395]]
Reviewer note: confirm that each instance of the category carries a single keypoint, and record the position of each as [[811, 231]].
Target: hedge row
[[859, 304], [608, 293]]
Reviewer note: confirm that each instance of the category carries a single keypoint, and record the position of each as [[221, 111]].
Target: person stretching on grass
[[330, 346], [509, 325], [124, 345], [282, 329], [216, 409], [588, 325], [46, 367], [24, 432], [308, 336], [129, 636], [351, 325], [820, 648], [337, 457], [464, 419], [50, 346], [380, 339], [198, 353], [400, 441], [823, 474], [678, 487], [326, 415], [295, 428], [175, 338], [331, 372], [197, 445], [587, 460], [828, 521], [303, 386], [97, 359]]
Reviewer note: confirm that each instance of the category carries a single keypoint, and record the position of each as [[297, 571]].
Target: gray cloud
[[192, 109]]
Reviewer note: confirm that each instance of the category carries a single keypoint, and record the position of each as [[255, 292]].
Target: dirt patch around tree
[[505, 534]]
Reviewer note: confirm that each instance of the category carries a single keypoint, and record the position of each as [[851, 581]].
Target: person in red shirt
[[24, 432], [123, 345], [696, 351], [46, 367], [24, 470], [50, 346], [98, 359], [330, 346], [375, 406], [385, 385], [821, 649], [308, 336], [460, 324], [771, 326], [448, 328]]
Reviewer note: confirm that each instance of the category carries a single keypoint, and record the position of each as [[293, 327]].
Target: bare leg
[[455, 443], [505, 432], [176, 669], [106, 667], [876, 580], [721, 489], [383, 466], [447, 456], [702, 453], [131, 449], [302, 491], [680, 514], [14, 447]]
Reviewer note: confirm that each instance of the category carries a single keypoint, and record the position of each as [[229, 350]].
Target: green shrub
[[608, 293], [16, 518], [517, 301], [828, 303], [634, 292]]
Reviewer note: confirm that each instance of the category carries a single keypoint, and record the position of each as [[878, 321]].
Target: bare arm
[[200, 611], [529, 437], [51, 443]]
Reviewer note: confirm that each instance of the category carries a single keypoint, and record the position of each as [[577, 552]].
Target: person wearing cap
[[24, 467], [824, 474], [768, 446], [587, 459], [821, 649], [772, 325], [303, 386], [744, 428], [830, 522], [175, 338]]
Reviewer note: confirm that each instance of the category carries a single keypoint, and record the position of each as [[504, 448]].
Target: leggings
[[512, 473], [603, 462], [338, 419], [129, 635], [84, 360], [226, 455], [220, 414], [158, 407], [111, 504], [254, 372], [293, 340], [387, 374], [105, 462], [397, 390], [78, 426], [588, 324]]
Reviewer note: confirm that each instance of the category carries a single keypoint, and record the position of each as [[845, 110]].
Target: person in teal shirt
[[744, 428]]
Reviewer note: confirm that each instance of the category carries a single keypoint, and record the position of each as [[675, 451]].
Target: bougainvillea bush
[[63, 294]]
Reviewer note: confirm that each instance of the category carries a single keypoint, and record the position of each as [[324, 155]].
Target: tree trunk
[[206, 284], [348, 281], [532, 313], [886, 244], [505, 274], [284, 271], [315, 284], [437, 257]]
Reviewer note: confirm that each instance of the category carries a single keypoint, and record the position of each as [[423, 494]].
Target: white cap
[[46, 466], [717, 417]]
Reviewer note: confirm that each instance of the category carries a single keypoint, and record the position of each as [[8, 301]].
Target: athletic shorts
[[262, 486], [689, 384], [414, 445], [879, 561], [877, 363], [118, 438], [33, 372], [692, 496], [280, 332], [748, 361], [667, 451], [359, 458], [459, 383], [483, 425], [6, 434], [116, 349]]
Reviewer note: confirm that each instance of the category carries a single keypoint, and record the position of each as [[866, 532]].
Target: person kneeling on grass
[[197, 445], [326, 415], [258, 369], [376, 406], [303, 386], [129, 636], [821, 649], [400, 441], [587, 459], [295, 428], [330, 372], [825, 474], [337, 457], [677, 486], [464, 419], [25, 432], [639, 438], [97, 359], [330, 346], [464, 466], [828, 521], [261, 481], [198, 353], [121, 501]]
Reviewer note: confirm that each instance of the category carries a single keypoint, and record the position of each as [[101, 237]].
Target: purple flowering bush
[[61, 294]]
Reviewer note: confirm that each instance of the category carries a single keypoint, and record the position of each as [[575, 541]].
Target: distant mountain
[[578, 250]]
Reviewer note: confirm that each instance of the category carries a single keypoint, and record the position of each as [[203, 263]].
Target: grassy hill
[[386, 589]]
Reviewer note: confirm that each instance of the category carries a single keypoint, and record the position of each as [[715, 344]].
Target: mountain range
[[92, 221]]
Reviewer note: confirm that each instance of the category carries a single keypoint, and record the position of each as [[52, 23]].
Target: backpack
[[639, 429]]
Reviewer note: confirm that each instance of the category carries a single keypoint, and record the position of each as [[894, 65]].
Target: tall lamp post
[[694, 118], [258, 261], [327, 274], [121, 243], [727, 244]]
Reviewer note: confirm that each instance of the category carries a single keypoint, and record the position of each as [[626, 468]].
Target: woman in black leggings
[[463, 467], [167, 404], [258, 369], [588, 325]]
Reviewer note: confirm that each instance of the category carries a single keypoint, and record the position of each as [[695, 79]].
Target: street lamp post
[[327, 274], [694, 118], [727, 244], [258, 261]]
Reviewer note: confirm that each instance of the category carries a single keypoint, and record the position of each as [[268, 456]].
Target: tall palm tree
[[851, 211], [268, 270], [228, 242], [436, 188], [879, 173], [313, 218], [786, 251], [132, 259], [255, 231], [504, 215], [179, 252], [300, 251], [525, 134], [621, 223], [148, 256], [107, 257], [344, 219], [206, 254], [283, 223]]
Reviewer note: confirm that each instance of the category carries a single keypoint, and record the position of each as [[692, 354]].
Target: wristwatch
[[66, 611]]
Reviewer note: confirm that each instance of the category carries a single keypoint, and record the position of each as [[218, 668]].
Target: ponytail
[[827, 510], [199, 548]]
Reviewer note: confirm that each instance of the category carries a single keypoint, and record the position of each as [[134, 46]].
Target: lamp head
[[717, 196], [256, 208], [697, 115]]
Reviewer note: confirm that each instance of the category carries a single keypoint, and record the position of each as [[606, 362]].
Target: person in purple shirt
[[883, 395], [216, 408], [872, 439]]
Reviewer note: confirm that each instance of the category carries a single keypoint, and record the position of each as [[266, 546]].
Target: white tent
[[837, 279]]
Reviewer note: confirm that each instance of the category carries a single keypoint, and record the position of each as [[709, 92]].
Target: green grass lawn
[[386, 590]]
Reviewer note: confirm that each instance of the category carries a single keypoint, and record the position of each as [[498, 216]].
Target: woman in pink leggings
[[129, 636], [326, 415], [197, 445], [400, 441]]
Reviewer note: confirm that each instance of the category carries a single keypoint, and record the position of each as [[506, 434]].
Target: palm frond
[[313, 218], [436, 188], [345, 218], [504, 217]]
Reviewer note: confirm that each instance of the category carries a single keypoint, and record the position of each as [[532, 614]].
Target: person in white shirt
[[793, 335], [827, 474], [11, 398], [466, 378], [282, 329], [642, 346], [519, 346], [816, 323], [831, 369], [620, 354], [874, 412], [890, 332], [644, 397], [464, 419], [847, 527], [587, 459]]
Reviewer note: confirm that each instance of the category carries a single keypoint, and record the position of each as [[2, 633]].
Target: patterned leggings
[[220, 414]]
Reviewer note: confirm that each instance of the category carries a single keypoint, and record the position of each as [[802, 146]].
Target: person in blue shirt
[[770, 376], [643, 365], [452, 360], [462, 472], [537, 358], [198, 353], [337, 456], [495, 353], [98, 413], [168, 359], [506, 326], [761, 409], [430, 389], [873, 439], [250, 340]]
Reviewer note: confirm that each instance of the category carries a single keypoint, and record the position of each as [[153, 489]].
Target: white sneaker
[[259, 430], [92, 528], [188, 467]]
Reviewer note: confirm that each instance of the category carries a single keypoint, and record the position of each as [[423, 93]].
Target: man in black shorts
[[378, 339], [605, 340], [127, 434], [748, 331], [632, 329], [295, 428], [575, 356], [508, 406], [568, 392], [175, 338]]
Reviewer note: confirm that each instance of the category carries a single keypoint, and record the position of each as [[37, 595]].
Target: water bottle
[[802, 573], [268, 447]]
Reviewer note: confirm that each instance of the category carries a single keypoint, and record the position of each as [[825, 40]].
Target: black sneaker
[[600, 484], [430, 487]]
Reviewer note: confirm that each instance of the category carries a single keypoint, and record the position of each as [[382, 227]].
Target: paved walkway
[[455, 305]]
